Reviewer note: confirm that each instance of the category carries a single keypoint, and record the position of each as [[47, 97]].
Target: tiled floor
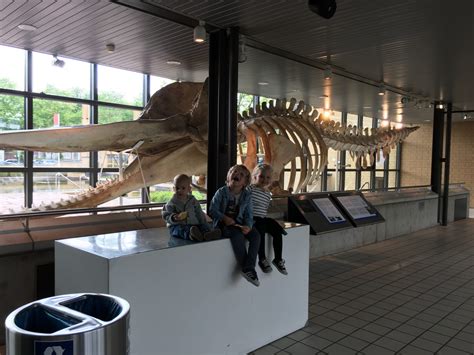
[[408, 295]]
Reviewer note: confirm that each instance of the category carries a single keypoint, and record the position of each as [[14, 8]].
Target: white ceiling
[[419, 48]]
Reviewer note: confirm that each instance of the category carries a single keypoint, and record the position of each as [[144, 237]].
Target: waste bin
[[73, 324]]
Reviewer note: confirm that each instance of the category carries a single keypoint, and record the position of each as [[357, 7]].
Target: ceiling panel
[[418, 47]]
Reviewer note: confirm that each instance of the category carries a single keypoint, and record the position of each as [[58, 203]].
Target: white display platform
[[189, 299]]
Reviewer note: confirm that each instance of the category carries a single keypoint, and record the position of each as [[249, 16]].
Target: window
[[244, 102], [51, 187], [120, 86], [59, 175], [72, 80], [12, 192], [156, 83], [11, 119], [12, 70]]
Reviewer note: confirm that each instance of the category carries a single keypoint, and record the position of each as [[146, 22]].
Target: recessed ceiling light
[[26, 27], [367, 106], [323, 96], [427, 120], [173, 62], [110, 47], [263, 83]]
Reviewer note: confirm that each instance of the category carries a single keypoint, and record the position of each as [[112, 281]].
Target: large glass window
[[156, 83], [244, 102], [12, 69], [59, 175], [71, 80], [12, 192], [120, 86], [11, 119], [51, 187]]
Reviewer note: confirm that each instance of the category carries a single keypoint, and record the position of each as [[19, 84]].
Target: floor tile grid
[[387, 261], [382, 317], [419, 312], [343, 282], [313, 328]]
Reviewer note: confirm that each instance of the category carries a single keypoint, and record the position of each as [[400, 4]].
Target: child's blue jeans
[[182, 230]]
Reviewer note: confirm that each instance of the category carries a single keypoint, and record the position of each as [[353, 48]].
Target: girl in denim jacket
[[231, 210]]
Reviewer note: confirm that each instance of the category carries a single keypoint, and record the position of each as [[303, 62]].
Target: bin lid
[[67, 314]]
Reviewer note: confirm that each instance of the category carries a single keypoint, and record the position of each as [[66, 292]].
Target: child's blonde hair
[[261, 168], [181, 178], [241, 169]]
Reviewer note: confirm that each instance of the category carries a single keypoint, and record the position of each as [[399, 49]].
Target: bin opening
[[97, 306], [39, 319]]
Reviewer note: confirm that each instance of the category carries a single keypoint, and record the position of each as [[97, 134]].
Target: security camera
[[405, 100], [324, 8]]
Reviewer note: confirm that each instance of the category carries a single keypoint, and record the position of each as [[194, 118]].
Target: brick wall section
[[416, 156]]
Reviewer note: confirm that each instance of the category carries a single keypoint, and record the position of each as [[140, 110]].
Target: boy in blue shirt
[[184, 216]]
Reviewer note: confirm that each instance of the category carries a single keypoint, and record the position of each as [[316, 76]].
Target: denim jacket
[[219, 204]]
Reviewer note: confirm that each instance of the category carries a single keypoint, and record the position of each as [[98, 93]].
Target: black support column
[[29, 182], [437, 150], [223, 80], [447, 160]]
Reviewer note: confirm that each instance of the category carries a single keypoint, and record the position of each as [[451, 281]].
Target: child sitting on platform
[[184, 216], [231, 210], [261, 197]]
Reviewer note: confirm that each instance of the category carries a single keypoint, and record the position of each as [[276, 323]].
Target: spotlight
[[110, 47], [242, 49], [324, 8], [465, 117], [200, 32], [328, 72], [382, 90], [58, 62]]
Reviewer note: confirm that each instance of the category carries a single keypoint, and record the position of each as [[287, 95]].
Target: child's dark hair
[[242, 169]]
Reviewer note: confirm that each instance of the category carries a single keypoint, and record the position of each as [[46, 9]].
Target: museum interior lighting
[[200, 32], [58, 62], [382, 90], [328, 72]]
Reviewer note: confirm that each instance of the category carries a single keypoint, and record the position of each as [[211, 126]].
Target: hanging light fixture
[[328, 72], [200, 32], [382, 89], [58, 62]]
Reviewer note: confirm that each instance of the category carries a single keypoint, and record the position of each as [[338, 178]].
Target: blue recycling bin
[[73, 324]]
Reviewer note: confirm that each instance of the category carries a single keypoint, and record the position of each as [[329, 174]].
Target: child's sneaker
[[265, 266], [196, 234], [280, 265], [212, 235], [251, 276]]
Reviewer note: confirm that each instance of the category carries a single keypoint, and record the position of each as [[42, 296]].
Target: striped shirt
[[260, 200]]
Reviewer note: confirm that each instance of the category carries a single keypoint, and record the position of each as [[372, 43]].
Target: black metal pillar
[[437, 150], [28, 105], [223, 80], [375, 124], [94, 119], [342, 160], [145, 191], [447, 160]]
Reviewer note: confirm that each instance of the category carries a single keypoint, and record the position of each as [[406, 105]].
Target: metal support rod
[[447, 163], [436, 155]]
